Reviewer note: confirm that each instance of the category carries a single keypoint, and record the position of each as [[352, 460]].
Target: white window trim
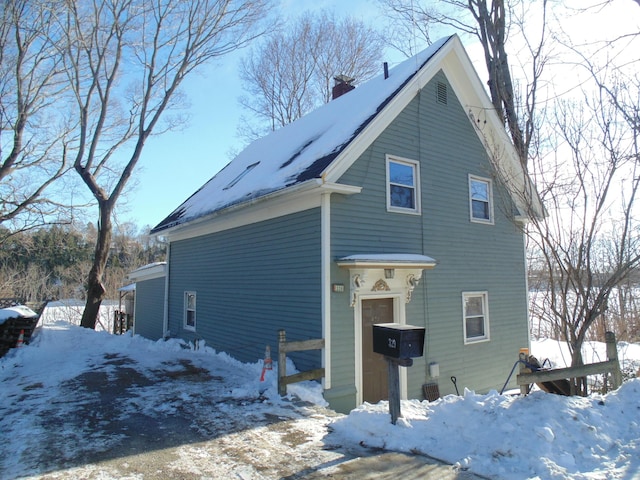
[[488, 181], [195, 312], [485, 307], [416, 165]]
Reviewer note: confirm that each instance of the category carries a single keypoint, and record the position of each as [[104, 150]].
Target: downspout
[[165, 319], [325, 272]]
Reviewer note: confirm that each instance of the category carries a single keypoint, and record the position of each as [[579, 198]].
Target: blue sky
[[175, 164]]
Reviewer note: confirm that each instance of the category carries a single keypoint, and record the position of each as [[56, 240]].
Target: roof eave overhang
[[298, 197], [386, 264], [157, 270]]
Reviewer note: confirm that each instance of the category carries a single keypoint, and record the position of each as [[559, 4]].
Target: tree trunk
[[95, 288]]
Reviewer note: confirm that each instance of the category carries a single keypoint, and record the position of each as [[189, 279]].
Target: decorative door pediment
[[385, 273]]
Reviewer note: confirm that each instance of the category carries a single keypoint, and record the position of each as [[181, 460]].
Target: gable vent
[[441, 92]]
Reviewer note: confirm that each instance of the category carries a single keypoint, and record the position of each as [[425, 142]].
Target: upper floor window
[[189, 311], [480, 199], [403, 185], [476, 316]]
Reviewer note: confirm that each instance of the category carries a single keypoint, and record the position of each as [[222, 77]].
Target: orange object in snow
[[20, 341]]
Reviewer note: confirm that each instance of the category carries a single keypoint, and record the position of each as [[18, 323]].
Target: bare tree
[[125, 61], [491, 22], [292, 71], [32, 131], [590, 245]]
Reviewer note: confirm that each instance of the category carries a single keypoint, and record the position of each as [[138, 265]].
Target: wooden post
[[524, 389], [282, 363], [612, 354], [296, 346], [394, 389], [394, 385]]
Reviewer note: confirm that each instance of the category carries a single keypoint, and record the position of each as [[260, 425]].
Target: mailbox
[[398, 341]]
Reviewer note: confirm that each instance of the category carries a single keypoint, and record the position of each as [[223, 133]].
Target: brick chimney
[[341, 86]]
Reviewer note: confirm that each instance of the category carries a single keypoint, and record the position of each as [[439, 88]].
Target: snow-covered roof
[[19, 311], [147, 272], [318, 147], [299, 151]]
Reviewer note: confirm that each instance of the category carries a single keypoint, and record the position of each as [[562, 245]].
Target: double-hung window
[[189, 311], [480, 199], [403, 185], [475, 306]]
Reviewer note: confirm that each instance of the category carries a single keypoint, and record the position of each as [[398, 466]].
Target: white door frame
[[399, 316]]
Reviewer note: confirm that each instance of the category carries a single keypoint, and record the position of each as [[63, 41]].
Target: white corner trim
[[325, 267]]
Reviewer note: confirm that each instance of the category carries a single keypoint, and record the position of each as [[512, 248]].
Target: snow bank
[[539, 436]]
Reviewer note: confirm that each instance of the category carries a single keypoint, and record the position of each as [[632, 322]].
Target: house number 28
[[392, 342]]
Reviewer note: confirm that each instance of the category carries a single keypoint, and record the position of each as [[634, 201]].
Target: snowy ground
[[62, 415]]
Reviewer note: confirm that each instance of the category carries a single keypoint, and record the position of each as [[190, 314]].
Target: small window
[[190, 310], [242, 174], [403, 185], [480, 200], [476, 317]]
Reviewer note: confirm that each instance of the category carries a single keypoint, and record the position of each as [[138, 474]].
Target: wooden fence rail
[[610, 366], [285, 347]]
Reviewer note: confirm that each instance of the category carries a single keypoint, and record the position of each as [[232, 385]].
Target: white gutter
[[298, 198], [308, 185]]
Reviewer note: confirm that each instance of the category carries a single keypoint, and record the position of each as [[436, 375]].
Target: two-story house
[[400, 201]]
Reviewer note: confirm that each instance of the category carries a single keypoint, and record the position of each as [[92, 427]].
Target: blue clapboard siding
[[149, 308], [471, 256], [250, 282]]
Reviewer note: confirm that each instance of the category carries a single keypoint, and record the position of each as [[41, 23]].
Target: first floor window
[[190, 310], [403, 185], [476, 316], [480, 199]]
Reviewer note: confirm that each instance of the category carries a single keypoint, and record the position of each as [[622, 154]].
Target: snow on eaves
[[299, 151]]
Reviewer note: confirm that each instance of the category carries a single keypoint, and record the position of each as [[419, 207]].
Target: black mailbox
[[398, 341]]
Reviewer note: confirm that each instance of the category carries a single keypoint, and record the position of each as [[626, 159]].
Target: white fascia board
[[297, 198], [471, 93]]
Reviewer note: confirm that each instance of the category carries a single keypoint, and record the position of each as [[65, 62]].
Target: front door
[[374, 366]]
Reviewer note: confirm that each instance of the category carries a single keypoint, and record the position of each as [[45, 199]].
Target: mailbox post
[[399, 344]]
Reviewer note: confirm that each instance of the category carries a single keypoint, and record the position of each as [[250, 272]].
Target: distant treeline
[[53, 262]]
